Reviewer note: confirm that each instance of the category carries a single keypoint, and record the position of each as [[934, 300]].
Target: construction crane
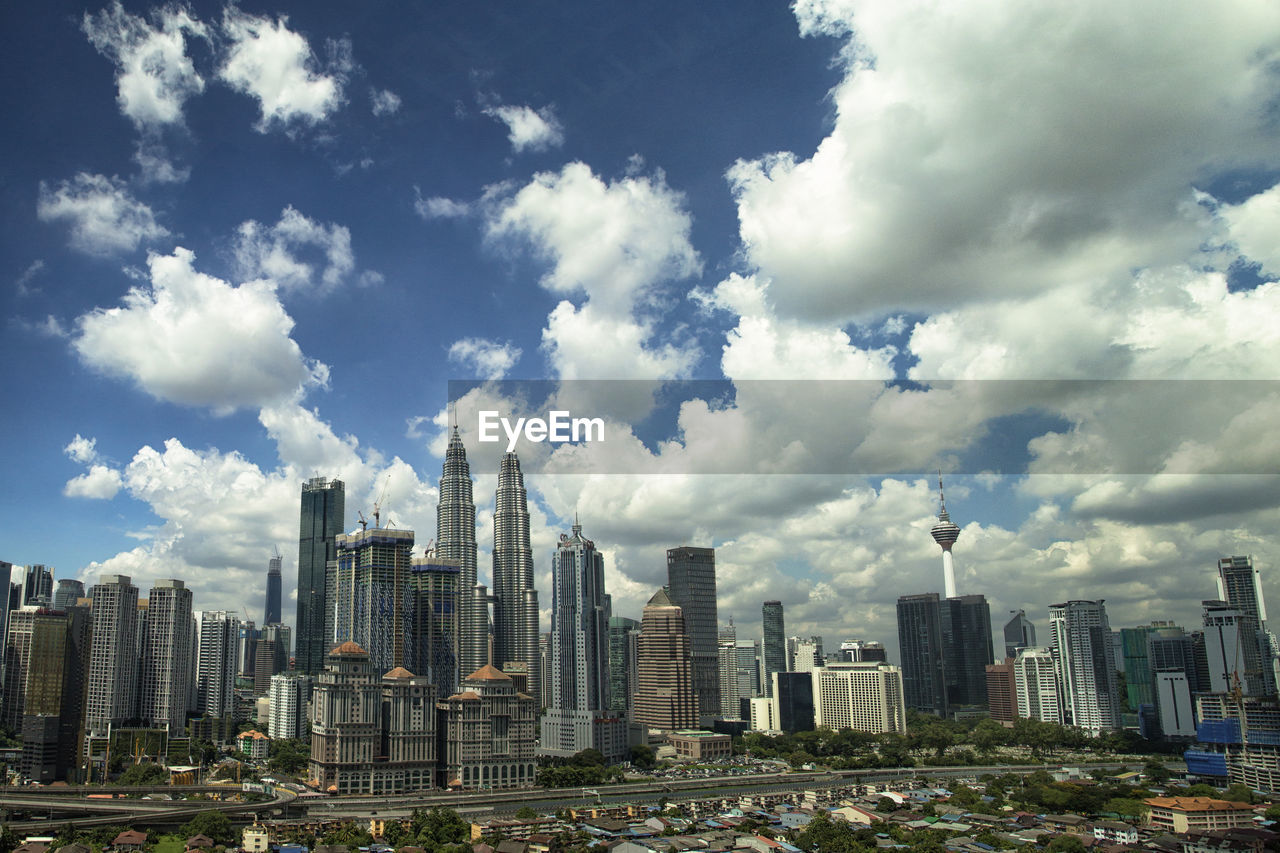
[[377, 505], [364, 525]]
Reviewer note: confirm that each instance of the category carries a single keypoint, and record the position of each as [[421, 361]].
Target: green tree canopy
[[216, 825]]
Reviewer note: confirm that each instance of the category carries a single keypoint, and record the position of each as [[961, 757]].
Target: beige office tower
[[664, 658], [489, 734]]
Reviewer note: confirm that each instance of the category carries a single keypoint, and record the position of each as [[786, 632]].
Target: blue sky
[[247, 244]]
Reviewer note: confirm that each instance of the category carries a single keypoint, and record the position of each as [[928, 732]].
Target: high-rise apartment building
[[112, 696], [367, 583], [1019, 633], [431, 609], [322, 519], [774, 653], [290, 695], [920, 643], [271, 612], [515, 607], [727, 663], [218, 649], [1080, 638], [1002, 691], [456, 543], [1226, 640], [691, 582], [17, 659], [1035, 675], [865, 697], [489, 731], [664, 696], [167, 659], [578, 696], [68, 592], [623, 635], [1135, 645], [748, 670]]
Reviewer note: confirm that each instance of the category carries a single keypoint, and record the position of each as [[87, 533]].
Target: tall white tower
[[945, 533]]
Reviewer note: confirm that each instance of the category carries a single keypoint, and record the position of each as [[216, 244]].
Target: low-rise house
[[255, 839], [254, 744], [1115, 830], [1216, 840], [1072, 823], [130, 839]]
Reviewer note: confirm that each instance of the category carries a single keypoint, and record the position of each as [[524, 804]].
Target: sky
[[831, 248]]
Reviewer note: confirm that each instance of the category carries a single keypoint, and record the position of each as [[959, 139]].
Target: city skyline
[[195, 262]]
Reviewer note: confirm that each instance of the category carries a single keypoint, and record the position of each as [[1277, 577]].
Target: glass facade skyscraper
[[774, 652], [322, 518], [691, 583]]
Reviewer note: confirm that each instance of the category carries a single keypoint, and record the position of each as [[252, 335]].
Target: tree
[[439, 826], [9, 839], [824, 835], [988, 734], [1157, 772], [1272, 812], [288, 756], [1240, 793], [1065, 844], [526, 813], [642, 756], [350, 834], [216, 825]]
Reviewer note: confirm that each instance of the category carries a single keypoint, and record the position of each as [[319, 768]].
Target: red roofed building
[[1182, 814], [489, 733]]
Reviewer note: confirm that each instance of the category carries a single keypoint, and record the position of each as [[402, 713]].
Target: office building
[[167, 659], [920, 643], [774, 653], [515, 601], [1002, 691], [1135, 645], [53, 700], [68, 593], [1035, 676], [112, 697], [290, 697], [406, 754], [967, 647], [368, 583], [271, 612], [691, 583], [727, 663], [764, 715], [346, 722], [1240, 586], [1080, 638], [865, 697], [578, 694], [793, 701], [1172, 694], [37, 585], [1019, 633], [489, 734], [1226, 641], [624, 633], [17, 658], [456, 543], [216, 655], [431, 611], [664, 696], [322, 519], [862, 651], [748, 670]]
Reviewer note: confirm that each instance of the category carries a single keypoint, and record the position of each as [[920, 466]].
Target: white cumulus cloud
[[384, 102], [154, 74], [100, 483], [104, 216], [527, 128], [276, 65], [190, 338], [489, 359], [82, 449], [276, 252]]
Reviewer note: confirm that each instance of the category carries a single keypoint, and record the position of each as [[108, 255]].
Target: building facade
[[271, 612], [1035, 676], [1080, 639], [431, 624], [865, 697], [365, 589], [577, 698], [774, 650], [664, 657], [290, 697], [515, 605], [323, 517], [168, 669], [920, 643], [623, 635], [112, 697], [216, 655], [456, 543], [691, 583], [489, 734]]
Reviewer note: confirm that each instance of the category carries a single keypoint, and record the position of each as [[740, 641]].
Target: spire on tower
[[945, 533]]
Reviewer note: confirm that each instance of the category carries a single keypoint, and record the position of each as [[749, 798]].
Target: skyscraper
[[515, 608], [271, 614], [623, 634], [67, 593], [920, 643], [369, 580], [53, 710], [167, 671], [664, 658], [37, 585], [1080, 638], [945, 533], [967, 647], [290, 694], [865, 697], [691, 581], [322, 519], [578, 695], [1226, 642], [1035, 677], [431, 604], [219, 647], [1019, 633], [112, 696], [456, 542], [774, 653], [1240, 585]]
